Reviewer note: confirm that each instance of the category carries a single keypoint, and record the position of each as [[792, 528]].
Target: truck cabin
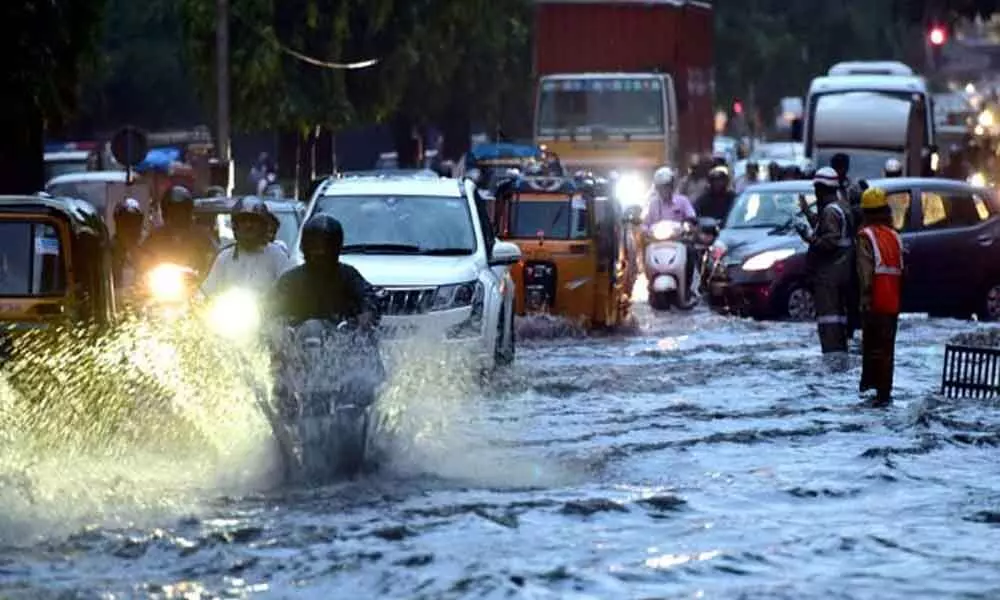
[[870, 128], [911, 89]]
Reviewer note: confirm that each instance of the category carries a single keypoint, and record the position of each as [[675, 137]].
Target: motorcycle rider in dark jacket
[[323, 288], [178, 240]]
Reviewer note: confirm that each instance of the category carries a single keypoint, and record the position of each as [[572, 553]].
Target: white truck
[[871, 111]]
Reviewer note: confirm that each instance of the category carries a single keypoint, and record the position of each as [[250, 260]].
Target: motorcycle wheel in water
[[327, 383], [669, 246]]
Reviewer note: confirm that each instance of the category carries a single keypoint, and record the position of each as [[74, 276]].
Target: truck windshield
[[612, 105], [31, 261], [865, 164], [566, 220]]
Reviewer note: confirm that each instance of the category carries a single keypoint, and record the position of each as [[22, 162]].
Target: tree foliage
[[429, 52], [50, 45]]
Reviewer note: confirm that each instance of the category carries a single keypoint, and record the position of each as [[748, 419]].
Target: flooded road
[[703, 457]]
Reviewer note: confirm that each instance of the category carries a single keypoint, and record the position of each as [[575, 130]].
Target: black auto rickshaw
[[55, 264]]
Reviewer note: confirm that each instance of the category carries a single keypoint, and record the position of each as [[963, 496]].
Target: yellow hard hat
[[873, 198]]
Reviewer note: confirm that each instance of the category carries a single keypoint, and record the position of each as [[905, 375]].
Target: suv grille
[[405, 301]]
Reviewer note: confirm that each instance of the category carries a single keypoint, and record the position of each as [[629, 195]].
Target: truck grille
[[405, 301]]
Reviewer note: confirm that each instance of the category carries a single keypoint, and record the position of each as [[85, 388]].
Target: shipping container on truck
[[624, 84]]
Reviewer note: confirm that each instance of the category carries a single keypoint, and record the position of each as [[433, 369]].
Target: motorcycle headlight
[[664, 230], [456, 296], [234, 314], [169, 283], [977, 179], [630, 189], [766, 260]]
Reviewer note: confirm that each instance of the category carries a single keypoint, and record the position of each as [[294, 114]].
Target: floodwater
[[701, 457]]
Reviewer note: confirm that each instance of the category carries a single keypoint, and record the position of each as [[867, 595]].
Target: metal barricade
[[970, 372]]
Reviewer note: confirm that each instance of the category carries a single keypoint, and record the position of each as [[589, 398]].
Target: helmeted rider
[[830, 260], [664, 203], [178, 240], [893, 168], [128, 219], [253, 262], [323, 288], [718, 198]]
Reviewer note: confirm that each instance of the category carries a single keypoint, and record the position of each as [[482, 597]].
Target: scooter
[[328, 381], [669, 246]]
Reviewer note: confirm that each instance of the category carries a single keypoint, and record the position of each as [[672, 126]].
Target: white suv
[[428, 247]]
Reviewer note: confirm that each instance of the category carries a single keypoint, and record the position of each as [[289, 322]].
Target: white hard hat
[[664, 176], [827, 177], [893, 166]]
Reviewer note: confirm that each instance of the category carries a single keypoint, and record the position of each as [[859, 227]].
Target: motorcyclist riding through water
[[666, 205], [124, 248], [178, 241], [323, 288], [718, 198], [253, 262], [893, 168]]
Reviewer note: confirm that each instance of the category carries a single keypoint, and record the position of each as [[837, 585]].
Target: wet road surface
[[703, 457]]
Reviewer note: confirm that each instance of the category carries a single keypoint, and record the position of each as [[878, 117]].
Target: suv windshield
[[765, 208], [31, 261], [409, 224]]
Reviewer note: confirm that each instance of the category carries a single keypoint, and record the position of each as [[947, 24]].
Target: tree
[[51, 44]]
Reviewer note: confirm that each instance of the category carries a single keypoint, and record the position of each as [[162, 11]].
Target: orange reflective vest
[[887, 249]]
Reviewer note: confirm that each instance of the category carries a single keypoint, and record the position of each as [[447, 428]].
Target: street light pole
[[222, 75]]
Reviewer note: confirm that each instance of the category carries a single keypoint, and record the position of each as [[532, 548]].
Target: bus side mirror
[[797, 130]]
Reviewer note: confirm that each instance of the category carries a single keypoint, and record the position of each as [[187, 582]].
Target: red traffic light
[[738, 107], [937, 36]]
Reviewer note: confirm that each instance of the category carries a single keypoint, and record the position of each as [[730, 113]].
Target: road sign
[[129, 146]]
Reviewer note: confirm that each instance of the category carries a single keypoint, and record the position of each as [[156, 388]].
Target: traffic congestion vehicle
[[428, 248], [950, 232], [56, 264], [571, 233]]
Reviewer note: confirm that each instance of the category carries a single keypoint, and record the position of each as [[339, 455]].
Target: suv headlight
[[472, 326], [459, 295], [766, 260]]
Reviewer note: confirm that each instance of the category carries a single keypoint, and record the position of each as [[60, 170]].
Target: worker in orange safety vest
[[880, 271]]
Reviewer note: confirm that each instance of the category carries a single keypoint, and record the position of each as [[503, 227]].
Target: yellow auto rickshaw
[[55, 264], [572, 236]]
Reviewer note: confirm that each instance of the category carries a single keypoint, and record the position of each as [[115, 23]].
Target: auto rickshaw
[[572, 237], [55, 264]]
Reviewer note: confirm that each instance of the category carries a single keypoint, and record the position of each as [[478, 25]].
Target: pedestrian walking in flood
[[880, 270]]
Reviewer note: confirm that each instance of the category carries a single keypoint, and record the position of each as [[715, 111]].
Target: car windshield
[[566, 220], [31, 260], [409, 224], [55, 168], [94, 192], [766, 208]]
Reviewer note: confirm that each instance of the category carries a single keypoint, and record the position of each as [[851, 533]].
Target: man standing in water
[[880, 270]]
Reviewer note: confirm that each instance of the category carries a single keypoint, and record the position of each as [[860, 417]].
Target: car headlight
[[977, 179], [456, 296], [474, 324], [169, 283], [630, 189], [766, 260], [664, 230], [234, 314]]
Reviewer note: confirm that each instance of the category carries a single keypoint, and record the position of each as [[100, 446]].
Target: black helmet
[[322, 239], [128, 216], [250, 222], [177, 205]]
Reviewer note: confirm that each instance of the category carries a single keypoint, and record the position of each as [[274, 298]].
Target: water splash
[[126, 425]]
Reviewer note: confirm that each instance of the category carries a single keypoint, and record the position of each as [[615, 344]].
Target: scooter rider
[[664, 203], [323, 288], [718, 198], [124, 248], [253, 261], [178, 240], [830, 261]]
